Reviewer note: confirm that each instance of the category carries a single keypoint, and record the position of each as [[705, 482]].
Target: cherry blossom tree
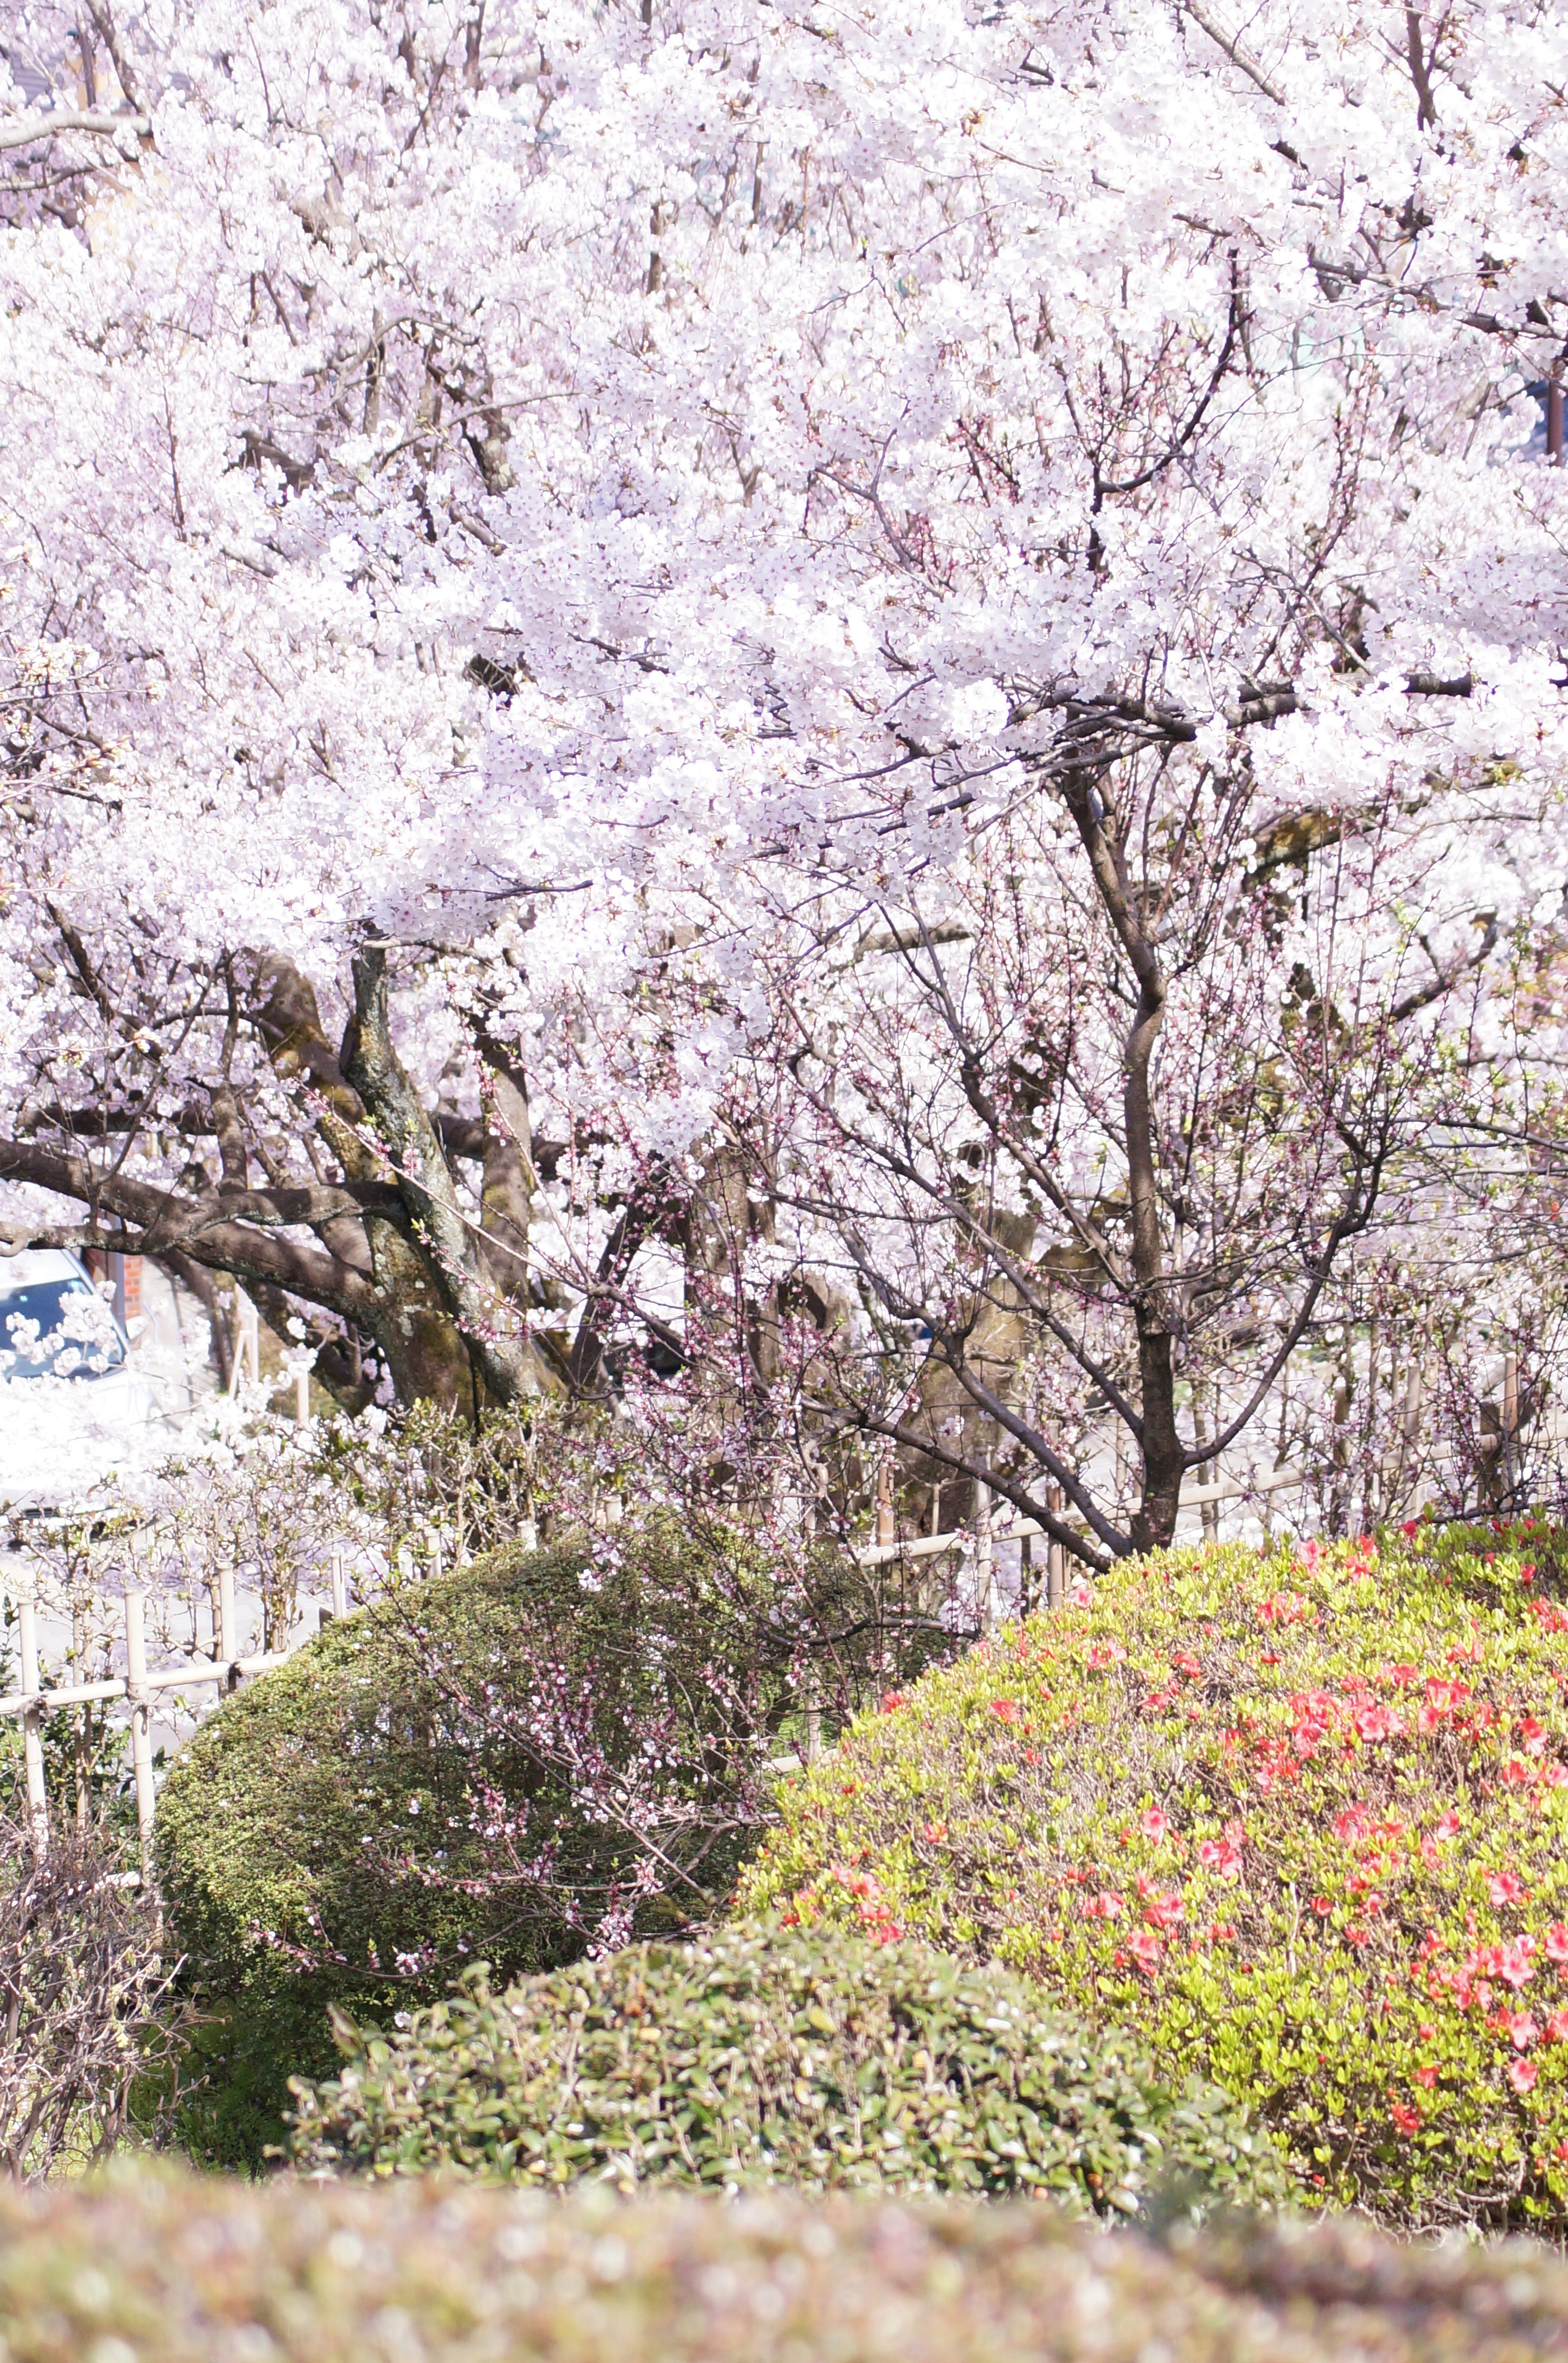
[[537, 537]]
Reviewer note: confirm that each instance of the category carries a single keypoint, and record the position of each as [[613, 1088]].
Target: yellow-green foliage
[[165, 2270], [1297, 1819]]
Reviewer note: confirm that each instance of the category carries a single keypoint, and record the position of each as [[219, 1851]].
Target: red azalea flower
[[1406, 2120], [1223, 1855], [1522, 2074], [1162, 1910], [1503, 1887], [1006, 1711]]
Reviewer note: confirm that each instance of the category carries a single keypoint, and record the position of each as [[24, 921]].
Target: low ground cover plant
[[1298, 1817], [209, 2270], [761, 2056]]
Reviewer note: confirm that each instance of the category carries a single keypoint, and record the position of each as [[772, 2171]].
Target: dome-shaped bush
[[760, 2055], [1298, 1818], [534, 1751]]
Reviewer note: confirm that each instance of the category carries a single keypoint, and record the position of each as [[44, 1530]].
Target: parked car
[[74, 1410]]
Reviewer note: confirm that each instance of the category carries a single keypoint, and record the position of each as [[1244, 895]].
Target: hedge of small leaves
[[155, 2266], [759, 2055], [503, 1764], [1298, 1818]]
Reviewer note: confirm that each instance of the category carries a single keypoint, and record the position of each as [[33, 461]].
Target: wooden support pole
[[987, 1586], [246, 1342], [139, 1697], [1057, 1562], [339, 1586], [887, 1519], [228, 1626], [1510, 1421], [32, 1724], [1410, 1432], [302, 1398]]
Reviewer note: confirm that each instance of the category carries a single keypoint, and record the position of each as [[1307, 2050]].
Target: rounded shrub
[[1298, 1818], [538, 1751], [760, 2055]]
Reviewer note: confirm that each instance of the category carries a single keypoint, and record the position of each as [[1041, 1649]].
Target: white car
[[74, 1412]]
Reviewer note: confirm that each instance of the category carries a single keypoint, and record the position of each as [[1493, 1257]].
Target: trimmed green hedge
[[187, 2270], [409, 1793], [1298, 1818], [760, 2057]]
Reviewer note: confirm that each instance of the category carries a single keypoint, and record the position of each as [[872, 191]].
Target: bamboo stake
[[989, 1589], [887, 1522], [142, 1719], [32, 1724], [229, 1630], [1056, 1561]]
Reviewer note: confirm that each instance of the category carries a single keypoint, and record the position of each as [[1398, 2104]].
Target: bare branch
[[27, 130]]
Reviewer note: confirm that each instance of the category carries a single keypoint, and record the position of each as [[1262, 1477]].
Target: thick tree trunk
[[456, 1277], [406, 1314]]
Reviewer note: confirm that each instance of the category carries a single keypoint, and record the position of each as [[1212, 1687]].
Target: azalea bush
[[1296, 1816]]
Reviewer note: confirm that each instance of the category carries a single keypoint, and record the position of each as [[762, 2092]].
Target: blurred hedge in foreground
[[762, 2056], [189, 2271]]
